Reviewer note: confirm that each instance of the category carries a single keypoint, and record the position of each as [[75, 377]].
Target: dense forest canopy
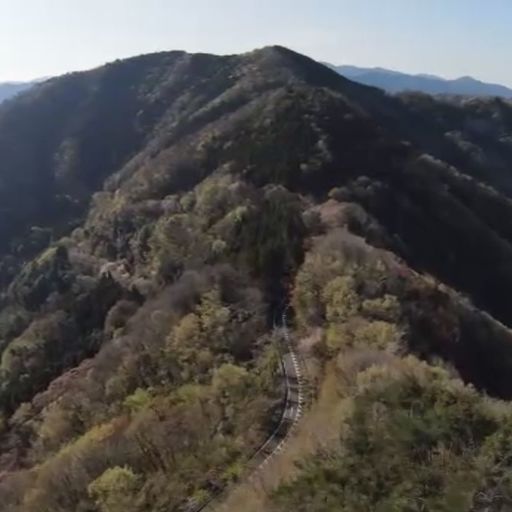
[[159, 213]]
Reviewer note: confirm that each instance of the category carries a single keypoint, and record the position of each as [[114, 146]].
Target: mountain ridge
[[396, 81], [153, 231], [11, 89]]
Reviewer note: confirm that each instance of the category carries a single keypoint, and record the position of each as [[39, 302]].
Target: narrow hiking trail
[[293, 381]]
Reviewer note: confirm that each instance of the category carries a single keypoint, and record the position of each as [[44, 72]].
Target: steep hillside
[[157, 216]]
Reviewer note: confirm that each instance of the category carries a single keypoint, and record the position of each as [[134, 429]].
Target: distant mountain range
[[10, 89], [394, 81]]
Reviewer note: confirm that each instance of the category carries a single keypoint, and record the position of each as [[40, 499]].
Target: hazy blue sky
[[446, 37]]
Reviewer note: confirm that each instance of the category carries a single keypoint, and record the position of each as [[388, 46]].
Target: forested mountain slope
[[159, 212]]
